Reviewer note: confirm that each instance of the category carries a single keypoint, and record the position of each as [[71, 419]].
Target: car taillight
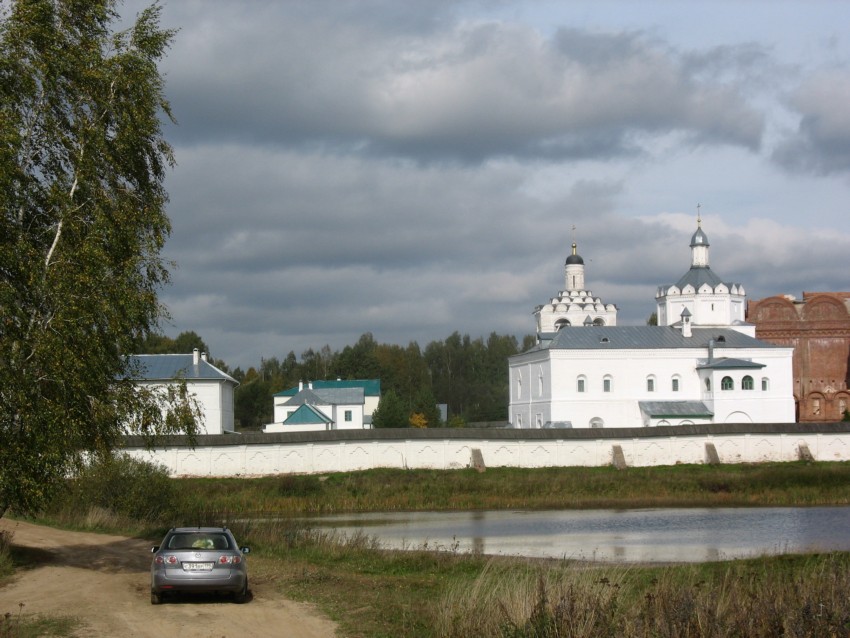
[[229, 560], [163, 560]]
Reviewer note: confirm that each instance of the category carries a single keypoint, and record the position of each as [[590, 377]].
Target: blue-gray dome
[[574, 258], [699, 238]]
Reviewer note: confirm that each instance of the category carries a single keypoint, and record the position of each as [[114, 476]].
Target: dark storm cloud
[[414, 169], [314, 78]]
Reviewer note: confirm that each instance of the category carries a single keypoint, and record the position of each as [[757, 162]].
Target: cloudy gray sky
[[414, 168]]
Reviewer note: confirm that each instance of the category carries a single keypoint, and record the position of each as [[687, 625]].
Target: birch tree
[[82, 164]]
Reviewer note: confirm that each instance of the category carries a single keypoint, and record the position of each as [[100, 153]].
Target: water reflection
[[647, 535]]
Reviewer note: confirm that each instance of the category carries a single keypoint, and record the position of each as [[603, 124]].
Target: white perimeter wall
[[310, 453]]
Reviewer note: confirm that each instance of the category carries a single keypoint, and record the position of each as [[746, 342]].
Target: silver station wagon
[[199, 559]]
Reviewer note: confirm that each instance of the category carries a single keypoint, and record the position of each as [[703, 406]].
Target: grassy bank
[[449, 595], [376, 593], [774, 484]]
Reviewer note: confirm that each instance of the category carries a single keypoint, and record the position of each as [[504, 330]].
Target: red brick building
[[818, 327]]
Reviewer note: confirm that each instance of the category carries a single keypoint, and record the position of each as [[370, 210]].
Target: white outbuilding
[[701, 364], [326, 405], [211, 387]]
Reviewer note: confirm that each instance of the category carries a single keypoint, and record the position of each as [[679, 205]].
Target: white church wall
[[557, 450], [628, 372]]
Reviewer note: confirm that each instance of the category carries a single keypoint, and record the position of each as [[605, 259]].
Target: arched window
[[747, 383], [708, 385], [726, 383], [596, 422], [650, 384], [607, 382], [765, 384], [674, 384], [599, 321], [540, 383], [560, 323], [581, 382], [519, 385]]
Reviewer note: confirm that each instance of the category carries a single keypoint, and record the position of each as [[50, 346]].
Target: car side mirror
[[154, 549], [245, 550]]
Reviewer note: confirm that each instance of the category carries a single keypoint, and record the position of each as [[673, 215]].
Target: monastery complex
[[701, 364]]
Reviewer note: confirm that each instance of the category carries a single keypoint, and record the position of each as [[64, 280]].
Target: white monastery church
[[700, 364]]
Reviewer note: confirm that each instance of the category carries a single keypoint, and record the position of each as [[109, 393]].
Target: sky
[[411, 169]]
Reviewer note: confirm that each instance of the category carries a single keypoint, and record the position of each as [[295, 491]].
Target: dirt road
[[104, 581]]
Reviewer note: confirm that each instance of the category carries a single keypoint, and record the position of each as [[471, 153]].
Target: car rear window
[[199, 540]]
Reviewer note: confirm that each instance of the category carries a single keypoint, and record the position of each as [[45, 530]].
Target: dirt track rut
[[104, 581]]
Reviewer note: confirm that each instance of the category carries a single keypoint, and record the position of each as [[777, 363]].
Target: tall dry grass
[[759, 598]]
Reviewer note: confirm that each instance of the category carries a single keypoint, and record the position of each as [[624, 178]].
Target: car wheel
[[155, 598], [241, 596]]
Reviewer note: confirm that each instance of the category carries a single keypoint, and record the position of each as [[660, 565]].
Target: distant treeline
[[469, 375]]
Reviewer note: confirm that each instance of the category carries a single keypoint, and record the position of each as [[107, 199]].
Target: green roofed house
[[326, 405], [212, 388]]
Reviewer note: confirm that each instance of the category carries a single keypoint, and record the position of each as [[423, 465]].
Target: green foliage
[[391, 412], [82, 164], [425, 404], [253, 403], [124, 486], [299, 485], [184, 343], [469, 375], [456, 421], [846, 416]]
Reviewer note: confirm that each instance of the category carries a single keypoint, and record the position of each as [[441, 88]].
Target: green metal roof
[[307, 414], [371, 387]]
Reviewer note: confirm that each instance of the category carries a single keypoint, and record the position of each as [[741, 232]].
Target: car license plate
[[197, 567]]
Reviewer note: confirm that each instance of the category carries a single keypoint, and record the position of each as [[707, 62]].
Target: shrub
[[124, 486], [299, 485]]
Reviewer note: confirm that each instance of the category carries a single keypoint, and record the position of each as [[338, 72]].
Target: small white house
[[326, 405], [211, 388], [703, 365]]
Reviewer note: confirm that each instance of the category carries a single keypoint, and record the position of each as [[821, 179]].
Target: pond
[[637, 535]]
